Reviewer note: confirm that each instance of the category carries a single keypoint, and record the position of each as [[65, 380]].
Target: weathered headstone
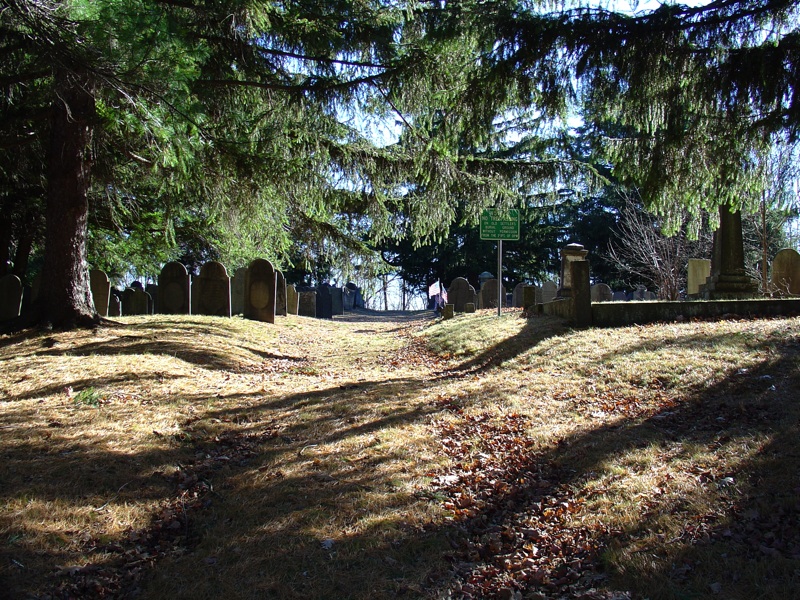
[[101, 290], [786, 272], [698, 271], [460, 293], [337, 301], [307, 305], [237, 290], [601, 292], [517, 297], [280, 294], [549, 292], [469, 307], [10, 297], [569, 253], [174, 290], [115, 304], [487, 297], [358, 299], [529, 296], [348, 298], [292, 299], [259, 292], [152, 289], [324, 302], [620, 297], [211, 291], [135, 301], [448, 312]]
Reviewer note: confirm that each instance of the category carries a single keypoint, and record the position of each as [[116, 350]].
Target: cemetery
[[585, 214]]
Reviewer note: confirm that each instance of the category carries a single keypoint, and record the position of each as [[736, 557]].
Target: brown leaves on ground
[[519, 527]]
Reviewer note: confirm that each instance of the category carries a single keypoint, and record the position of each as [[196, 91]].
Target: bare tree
[[640, 248]]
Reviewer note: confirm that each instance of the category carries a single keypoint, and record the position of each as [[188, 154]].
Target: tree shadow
[[274, 499]]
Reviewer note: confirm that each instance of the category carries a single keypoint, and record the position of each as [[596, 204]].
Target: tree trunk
[[65, 297]]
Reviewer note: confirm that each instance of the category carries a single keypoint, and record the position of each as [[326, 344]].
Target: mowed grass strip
[[202, 458]]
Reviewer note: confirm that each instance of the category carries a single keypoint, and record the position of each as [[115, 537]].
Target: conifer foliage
[[254, 118]]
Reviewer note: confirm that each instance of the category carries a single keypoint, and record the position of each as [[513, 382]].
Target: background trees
[[234, 128]]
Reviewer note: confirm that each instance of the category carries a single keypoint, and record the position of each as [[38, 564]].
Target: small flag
[[434, 289]]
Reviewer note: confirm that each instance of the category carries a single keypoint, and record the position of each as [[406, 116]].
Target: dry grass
[[208, 458]]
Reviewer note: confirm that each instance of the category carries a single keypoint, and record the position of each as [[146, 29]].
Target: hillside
[[387, 455]]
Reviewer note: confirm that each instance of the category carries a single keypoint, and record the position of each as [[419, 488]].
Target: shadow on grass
[[265, 534]]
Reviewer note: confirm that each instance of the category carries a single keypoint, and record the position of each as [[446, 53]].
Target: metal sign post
[[500, 225]]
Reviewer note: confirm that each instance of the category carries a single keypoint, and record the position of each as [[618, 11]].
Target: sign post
[[500, 225]]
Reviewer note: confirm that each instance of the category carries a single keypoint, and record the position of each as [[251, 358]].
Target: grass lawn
[[395, 455]]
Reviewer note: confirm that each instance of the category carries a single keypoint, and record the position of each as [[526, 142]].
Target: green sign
[[500, 224]]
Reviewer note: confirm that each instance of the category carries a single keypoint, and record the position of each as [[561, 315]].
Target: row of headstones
[[784, 280], [258, 292], [464, 298]]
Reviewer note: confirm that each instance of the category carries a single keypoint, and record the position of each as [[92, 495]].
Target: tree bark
[[65, 298]]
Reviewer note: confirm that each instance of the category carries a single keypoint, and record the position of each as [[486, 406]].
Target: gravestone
[[292, 299], [135, 301], [114, 304], [469, 307], [729, 279], [324, 302], [549, 292], [786, 272], [307, 304], [237, 291], [358, 299], [448, 312], [531, 295], [460, 293], [487, 298], [10, 297], [174, 290], [337, 301], [259, 291], [620, 297], [601, 292], [211, 291], [516, 301], [698, 271], [569, 253], [101, 291], [348, 298], [280, 294], [152, 289]]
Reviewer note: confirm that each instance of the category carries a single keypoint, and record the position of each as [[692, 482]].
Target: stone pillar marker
[[581, 292], [448, 312], [259, 291], [699, 270], [174, 290], [728, 277], [101, 291], [569, 253]]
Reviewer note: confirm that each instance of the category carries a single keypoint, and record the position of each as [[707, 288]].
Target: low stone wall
[[619, 314]]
